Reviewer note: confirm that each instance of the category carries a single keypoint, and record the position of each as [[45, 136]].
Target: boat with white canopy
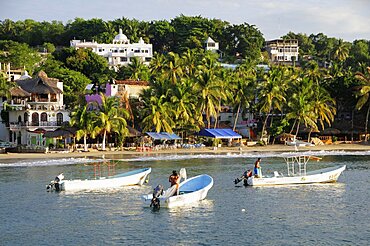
[[298, 174]]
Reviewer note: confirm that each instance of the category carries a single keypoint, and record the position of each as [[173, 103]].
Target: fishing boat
[[189, 191], [135, 177], [299, 143], [297, 173]]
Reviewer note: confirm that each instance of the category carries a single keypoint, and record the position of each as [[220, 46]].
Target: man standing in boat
[[174, 179], [257, 169]]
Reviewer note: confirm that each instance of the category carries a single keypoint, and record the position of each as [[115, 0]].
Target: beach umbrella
[[285, 135], [330, 131], [133, 132], [58, 133]]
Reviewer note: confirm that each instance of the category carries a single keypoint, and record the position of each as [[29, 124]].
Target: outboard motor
[[54, 184], [246, 176], [155, 202]]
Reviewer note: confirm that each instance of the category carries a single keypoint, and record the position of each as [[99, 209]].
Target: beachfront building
[[36, 106], [120, 51], [282, 51]]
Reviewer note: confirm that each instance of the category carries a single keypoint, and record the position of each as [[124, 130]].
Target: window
[[25, 117], [35, 119], [59, 119], [44, 117], [123, 59], [211, 45], [148, 59]]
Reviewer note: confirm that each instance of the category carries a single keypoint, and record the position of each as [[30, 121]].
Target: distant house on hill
[[120, 51], [211, 45], [282, 51]]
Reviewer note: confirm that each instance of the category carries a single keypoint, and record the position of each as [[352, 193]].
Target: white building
[[36, 106], [211, 45], [120, 52], [11, 74], [282, 51]]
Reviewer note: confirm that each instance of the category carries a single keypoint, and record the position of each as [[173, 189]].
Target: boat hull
[[136, 177], [326, 175], [185, 196]]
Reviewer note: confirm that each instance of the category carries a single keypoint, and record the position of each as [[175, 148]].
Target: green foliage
[[74, 83], [86, 62], [19, 55]]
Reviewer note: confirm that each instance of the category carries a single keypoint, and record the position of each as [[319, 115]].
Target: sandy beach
[[270, 148]]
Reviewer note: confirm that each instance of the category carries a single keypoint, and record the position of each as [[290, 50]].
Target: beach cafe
[[221, 134], [159, 140]]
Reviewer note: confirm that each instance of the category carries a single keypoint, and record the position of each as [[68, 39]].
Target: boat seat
[[185, 192], [277, 174]]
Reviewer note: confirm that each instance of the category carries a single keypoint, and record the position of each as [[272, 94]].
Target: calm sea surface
[[327, 214]]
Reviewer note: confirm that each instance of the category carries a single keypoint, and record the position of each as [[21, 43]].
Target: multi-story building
[[120, 52], [36, 106], [10, 73], [282, 51]]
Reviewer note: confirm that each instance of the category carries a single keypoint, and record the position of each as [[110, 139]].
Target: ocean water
[[321, 214]]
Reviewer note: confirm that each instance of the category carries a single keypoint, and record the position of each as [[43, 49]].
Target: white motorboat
[[299, 143], [297, 173], [135, 177], [190, 191]]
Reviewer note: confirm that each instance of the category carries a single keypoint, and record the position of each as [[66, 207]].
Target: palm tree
[[109, 118], [157, 65], [174, 67], [184, 105], [124, 100], [6, 86], [272, 92], [189, 63], [82, 118], [341, 51], [324, 106], [243, 88], [363, 93], [137, 69], [209, 91], [301, 107], [157, 113]]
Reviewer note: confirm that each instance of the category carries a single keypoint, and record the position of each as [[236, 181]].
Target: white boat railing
[[299, 163]]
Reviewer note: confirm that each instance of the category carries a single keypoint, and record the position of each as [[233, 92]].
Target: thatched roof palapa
[[19, 92], [40, 85]]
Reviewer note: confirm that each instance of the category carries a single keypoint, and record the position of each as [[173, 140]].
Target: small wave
[[50, 162], [178, 157], [230, 155]]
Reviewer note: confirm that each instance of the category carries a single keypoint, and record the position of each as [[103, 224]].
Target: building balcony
[[32, 125]]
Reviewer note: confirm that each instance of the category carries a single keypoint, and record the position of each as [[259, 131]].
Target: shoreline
[[208, 150]]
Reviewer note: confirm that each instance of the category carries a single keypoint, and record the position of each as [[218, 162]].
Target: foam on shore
[[176, 157]]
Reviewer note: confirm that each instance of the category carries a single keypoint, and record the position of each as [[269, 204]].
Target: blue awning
[[219, 133], [163, 136]]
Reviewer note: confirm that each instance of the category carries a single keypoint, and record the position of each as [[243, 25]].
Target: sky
[[345, 19]]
